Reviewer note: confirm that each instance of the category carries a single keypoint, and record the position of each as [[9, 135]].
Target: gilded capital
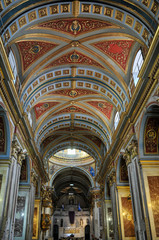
[[112, 178], [131, 151], [20, 157], [134, 151], [33, 178], [15, 148], [127, 157]]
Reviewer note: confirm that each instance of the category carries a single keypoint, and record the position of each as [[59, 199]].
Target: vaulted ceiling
[[74, 63]]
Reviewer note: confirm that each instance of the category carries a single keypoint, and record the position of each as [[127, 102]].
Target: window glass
[[137, 66], [116, 120]]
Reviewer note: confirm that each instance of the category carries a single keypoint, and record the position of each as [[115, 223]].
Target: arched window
[[137, 66], [30, 119], [13, 64], [116, 120]]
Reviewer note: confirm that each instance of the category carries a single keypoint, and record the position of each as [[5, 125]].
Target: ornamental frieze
[[75, 26]]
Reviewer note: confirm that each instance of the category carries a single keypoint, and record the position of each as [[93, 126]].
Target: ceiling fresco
[[74, 61]]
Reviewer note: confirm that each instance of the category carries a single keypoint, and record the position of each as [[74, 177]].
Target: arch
[[5, 133], [122, 173], [83, 171], [152, 112]]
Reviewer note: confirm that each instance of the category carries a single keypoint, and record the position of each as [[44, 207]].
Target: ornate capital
[[46, 221], [112, 178], [134, 150], [20, 157], [131, 151], [15, 148], [47, 194], [33, 178], [127, 157], [96, 193]]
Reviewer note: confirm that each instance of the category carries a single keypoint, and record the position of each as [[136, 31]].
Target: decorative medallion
[[75, 26], [31, 51], [41, 108], [118, 50], [151, 136], [2, 135], [73, 92], [72, 109], [104, 107], [74, 57]]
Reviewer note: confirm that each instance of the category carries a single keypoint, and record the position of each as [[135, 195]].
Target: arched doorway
[[87, 232], [56, 232]]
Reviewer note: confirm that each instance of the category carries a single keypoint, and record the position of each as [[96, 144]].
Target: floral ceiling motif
[[43, 107], [72, 109], [31, 51], [118, 50], [74, 26], [102, 106], [74, 57], [73, 92]]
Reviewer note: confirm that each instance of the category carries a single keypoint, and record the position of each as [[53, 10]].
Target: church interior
[[79, 120]]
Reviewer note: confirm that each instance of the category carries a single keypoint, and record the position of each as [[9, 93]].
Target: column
[[96, 221], [17, 157], [47, 210], [114, 197], [31, 200], [131, 159]]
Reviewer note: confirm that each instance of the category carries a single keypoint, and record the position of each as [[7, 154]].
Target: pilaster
[[17, 156], [131, 158]]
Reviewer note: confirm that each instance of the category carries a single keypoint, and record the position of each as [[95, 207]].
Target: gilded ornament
[[46, 221], [97, 9], [108, 12], [22, 21], [33, 178], [138, 27], [13, 28], [75, 8], [65, 8], [42, 12], [154, 7], [146, 2], [145, 34], [7, 35], [129, 20], [119, 15], [7, 2], [86, 8], [21, 157], [127, 157], [15, 148], [54, 9], [32, 16]]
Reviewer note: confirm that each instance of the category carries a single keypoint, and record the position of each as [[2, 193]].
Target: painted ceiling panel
[[31, 51], [75, 26], [73, 92], [103, 106], [118, 50], [72, 58], [43, 107], [72, 109]]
